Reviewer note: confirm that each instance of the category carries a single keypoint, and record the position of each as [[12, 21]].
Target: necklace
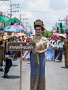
[[37, 38]]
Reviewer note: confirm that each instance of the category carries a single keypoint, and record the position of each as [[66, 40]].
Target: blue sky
[[47, 10]]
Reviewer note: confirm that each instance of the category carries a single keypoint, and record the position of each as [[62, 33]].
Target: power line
[[2, 3], [40, 11]]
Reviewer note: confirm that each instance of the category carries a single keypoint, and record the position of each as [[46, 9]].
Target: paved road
[[56, 77]]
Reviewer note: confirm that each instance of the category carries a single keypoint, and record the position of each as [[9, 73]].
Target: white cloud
[[43, 6], [17, 1], [27, 15], [47, 10], [3, 8], [39, 5], [58, 5], [66, 1]]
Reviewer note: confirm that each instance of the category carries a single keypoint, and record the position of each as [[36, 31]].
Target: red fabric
[[27, 40], [57, 37], [43, 29]]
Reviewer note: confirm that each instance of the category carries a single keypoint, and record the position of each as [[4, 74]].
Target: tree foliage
[[47, 33]]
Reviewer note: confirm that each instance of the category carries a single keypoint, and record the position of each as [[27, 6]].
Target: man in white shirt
[[52, 41], [59, 46]]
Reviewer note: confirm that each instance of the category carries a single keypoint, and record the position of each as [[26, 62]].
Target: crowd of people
[[58, 45], [37, 56], [8, 56]]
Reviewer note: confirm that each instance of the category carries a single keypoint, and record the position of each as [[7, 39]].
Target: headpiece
[[38, 22]]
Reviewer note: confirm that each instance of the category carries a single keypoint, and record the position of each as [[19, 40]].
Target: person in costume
[[66, 49], [37, 58]]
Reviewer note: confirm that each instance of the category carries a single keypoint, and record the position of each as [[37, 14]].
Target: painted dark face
[[38, 30]]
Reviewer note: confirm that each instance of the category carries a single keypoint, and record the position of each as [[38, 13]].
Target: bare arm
[[23, 56], [25, 53], [41, 51]]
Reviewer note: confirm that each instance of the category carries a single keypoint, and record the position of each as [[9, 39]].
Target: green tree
[[47, 33]]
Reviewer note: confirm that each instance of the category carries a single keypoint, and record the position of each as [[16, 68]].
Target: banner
[[49, 55]]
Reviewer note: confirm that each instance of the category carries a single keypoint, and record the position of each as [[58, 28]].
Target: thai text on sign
[[19, 46]]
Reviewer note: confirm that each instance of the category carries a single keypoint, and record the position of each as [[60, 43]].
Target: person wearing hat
[[37, 58], [66, 49]]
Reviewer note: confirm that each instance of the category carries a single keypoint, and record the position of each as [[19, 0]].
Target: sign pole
[[20, 46], [21, 73]]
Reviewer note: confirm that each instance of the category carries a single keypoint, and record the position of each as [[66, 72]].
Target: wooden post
[[21, 73], [20, 46]]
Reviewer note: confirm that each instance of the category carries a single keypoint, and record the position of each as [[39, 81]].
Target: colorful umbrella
[[63, 26], [13, 20], [59, 34], [18, 34], [67, 26], [3, 19], [14, 28]]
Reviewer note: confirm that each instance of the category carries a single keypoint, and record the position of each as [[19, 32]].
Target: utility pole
[[10, 9], [57, 29], [61, 22], [27, 26], [22, 17], [1, 13], [66, 20]]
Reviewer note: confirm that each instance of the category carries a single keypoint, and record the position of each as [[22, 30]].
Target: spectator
[[66, 49], [59, 44], [8, 59]]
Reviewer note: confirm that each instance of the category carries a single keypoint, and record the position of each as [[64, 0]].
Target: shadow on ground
[[12, 77], [65, 67], [14, 65]]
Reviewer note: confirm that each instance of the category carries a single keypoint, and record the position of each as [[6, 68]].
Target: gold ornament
[[40, 45], [38, 23]]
